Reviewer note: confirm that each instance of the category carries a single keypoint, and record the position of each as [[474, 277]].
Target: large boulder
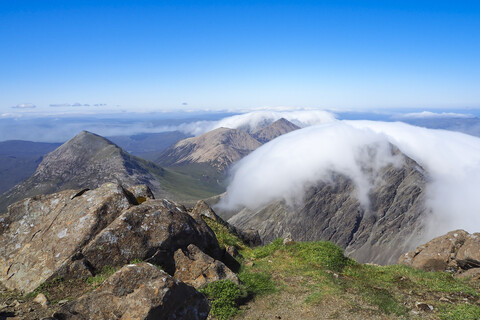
[[455, 251], [41, 235], [198, 269], [151, 231], [138, 291]]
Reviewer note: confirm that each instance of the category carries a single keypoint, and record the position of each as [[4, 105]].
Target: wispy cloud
[[25, 106], [76, 104], [433, 115]]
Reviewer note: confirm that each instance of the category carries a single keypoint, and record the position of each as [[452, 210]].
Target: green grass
[[225, 237], [45, 288], [224, 296], [321, 254], [461, 312], [106, 272], [257, 283], [325, 273]]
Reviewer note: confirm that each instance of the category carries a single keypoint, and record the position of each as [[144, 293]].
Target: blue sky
[[173, 55]]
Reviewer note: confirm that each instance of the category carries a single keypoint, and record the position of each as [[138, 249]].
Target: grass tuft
[[106, 272]]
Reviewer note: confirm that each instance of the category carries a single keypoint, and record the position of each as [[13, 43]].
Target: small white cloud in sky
[[25, 106]]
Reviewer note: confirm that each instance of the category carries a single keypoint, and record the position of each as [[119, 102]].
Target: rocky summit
[[85, 161], [390, 225], [275, 129]]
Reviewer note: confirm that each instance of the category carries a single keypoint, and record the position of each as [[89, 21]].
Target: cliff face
[[380, 232]]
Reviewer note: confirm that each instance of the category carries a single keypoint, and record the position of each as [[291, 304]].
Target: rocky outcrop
[[151, 231], [139, 291], [41, 235], [198, 269], [76, 233], [456, 251], [141, 192], [380, 232], [275, 129], [85, 161]]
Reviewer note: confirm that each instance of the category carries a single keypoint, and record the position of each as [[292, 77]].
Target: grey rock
[[138, 291], [198, 269], [457, 251], [41, 236]]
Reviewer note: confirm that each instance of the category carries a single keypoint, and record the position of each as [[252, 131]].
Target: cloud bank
[[252, 121], [283, 168]]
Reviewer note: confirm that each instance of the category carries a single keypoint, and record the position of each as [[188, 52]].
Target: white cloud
[[255, 120], [25, 106], [433, 115], [286, 166], [59, 105]]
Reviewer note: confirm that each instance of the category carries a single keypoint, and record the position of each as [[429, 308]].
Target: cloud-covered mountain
[[341, 182]]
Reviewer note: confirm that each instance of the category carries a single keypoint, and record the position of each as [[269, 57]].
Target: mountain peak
[[275, 129], [220, 148], [85, 161]]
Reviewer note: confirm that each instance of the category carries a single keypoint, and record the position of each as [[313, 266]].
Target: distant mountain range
[[19, 159], [192, 169], [148, 145]]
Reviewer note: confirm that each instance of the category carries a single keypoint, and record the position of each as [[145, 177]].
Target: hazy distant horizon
[[53, 127]]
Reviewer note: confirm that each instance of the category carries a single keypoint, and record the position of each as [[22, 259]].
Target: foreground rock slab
[[40, 235], [138, 291]]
